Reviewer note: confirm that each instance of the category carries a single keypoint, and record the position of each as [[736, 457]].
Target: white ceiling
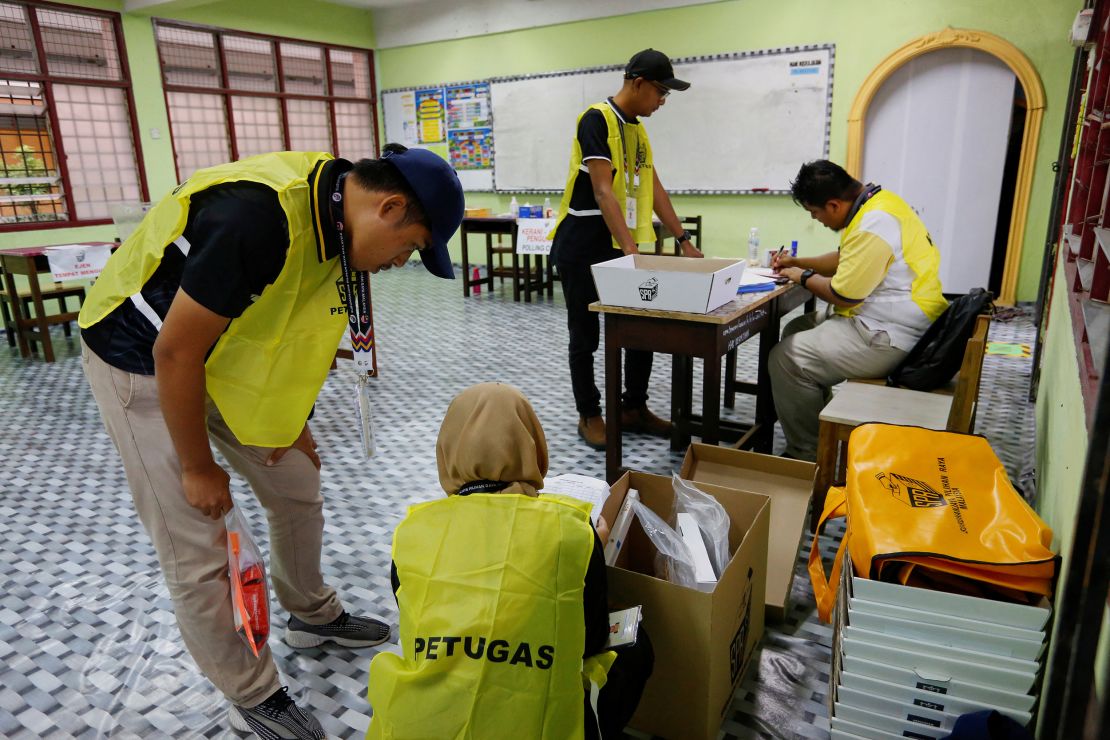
[[407, 22]]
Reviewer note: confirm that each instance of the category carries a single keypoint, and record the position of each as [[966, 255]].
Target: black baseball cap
[[654, 66], [440, 193]]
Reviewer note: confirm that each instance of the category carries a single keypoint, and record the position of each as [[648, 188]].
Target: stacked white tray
[[907, 662]]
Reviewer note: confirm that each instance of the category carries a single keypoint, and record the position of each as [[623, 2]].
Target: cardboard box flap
[[788, 484]]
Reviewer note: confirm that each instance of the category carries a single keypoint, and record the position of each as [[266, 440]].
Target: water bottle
[[514, 207], [753, 247], [547, 208]]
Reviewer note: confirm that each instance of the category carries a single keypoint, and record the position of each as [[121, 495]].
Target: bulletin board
[[454, 121]]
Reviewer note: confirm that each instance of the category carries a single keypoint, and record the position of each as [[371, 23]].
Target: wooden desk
[[31, 262], [708, 336], [522, 280]]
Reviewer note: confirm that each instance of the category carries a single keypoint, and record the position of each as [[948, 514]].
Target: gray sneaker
[[277, 718], [346, 630]]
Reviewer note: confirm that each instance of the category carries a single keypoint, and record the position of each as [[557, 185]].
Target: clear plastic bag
[[250, 592], [672, 559], [712, 519]]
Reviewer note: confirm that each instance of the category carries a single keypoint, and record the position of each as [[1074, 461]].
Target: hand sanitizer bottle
[[753, 247], [514, 207]]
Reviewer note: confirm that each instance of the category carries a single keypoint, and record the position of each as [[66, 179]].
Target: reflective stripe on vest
[[140, 303], [477, 626], [268, 366]]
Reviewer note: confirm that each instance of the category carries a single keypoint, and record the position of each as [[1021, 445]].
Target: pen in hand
[[775, 261]]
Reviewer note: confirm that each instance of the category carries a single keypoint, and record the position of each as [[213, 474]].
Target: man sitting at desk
[[882, 283], [611, 191]]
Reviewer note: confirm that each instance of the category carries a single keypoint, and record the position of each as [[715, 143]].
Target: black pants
[[619, 697], [585, 330]]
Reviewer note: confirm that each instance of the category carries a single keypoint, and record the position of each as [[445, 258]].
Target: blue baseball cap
[[440, 193]]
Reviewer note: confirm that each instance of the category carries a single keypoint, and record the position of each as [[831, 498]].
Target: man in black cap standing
[[612, 190]]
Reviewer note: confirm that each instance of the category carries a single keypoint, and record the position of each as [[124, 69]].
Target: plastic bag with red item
[[250, 594]]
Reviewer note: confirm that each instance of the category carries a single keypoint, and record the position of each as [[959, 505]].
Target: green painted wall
[[1061, 439], [864, 32]]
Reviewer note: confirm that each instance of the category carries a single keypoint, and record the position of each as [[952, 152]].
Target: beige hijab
[[491, 433]]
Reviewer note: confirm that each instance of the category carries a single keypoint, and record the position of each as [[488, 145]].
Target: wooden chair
[[54, 291], [691, 224], [950, 408]]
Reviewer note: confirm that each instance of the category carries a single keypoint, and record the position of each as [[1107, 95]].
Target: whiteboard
[[747, 123]]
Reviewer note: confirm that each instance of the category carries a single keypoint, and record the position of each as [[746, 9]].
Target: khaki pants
[[814, 355], [192, 549]]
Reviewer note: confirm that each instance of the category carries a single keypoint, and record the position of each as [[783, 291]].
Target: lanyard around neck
[[629, 177], [356, 286]]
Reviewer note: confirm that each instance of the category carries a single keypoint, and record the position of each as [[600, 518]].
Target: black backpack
[[936, 357]]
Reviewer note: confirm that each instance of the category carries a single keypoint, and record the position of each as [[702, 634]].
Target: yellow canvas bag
[[937, 510]]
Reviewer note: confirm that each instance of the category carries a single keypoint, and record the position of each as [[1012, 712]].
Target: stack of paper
[[593, 491]]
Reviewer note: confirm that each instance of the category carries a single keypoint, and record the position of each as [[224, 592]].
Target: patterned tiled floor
[[88, 643]]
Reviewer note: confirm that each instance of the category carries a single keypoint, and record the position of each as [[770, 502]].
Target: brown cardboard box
[[789, 484], [703, 641]]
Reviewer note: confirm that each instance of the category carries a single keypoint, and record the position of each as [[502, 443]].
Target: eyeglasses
[[661, 89]]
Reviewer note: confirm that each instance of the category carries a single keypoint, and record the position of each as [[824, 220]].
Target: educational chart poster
[[430, 116], [454, 121], [469, 132]]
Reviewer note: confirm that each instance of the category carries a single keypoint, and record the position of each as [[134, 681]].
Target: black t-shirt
[[238, 239], [586, 239]]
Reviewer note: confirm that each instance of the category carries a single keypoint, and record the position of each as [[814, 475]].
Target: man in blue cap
[[216, 322]]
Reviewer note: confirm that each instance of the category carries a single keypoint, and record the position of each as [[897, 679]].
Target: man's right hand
[[631, 250], [207, 489], [782, 261]]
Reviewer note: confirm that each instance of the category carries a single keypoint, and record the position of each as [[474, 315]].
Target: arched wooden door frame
[[1026, 74]]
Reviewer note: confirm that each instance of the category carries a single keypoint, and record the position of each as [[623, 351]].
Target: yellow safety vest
[[492, 625], [918, 252], [628, 143], [267, 368]]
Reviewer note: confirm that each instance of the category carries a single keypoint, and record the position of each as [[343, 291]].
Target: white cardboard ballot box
[[667, 283]]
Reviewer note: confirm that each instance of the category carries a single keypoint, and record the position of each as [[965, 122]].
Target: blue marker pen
[[794, 248]]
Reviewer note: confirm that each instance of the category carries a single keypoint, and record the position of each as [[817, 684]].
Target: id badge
[[366, 425], [630, 212]]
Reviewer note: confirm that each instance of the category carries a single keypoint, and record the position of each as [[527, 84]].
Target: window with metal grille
[[68, 143], [232, 95]]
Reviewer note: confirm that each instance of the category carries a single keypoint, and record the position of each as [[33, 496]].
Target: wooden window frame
[[48, 80], [226, 93]]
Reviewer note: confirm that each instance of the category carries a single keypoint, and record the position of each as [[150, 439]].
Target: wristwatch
[[685, 236], [806, 275]]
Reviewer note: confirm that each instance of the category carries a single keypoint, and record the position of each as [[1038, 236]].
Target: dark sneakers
[[643, 421], [346, 630], [277, 718]]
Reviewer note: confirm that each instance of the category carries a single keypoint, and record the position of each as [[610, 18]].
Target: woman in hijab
[[502, 596]]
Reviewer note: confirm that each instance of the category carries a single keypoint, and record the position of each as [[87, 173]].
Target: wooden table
[[688, 335], [522, 280], [31, 262]]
